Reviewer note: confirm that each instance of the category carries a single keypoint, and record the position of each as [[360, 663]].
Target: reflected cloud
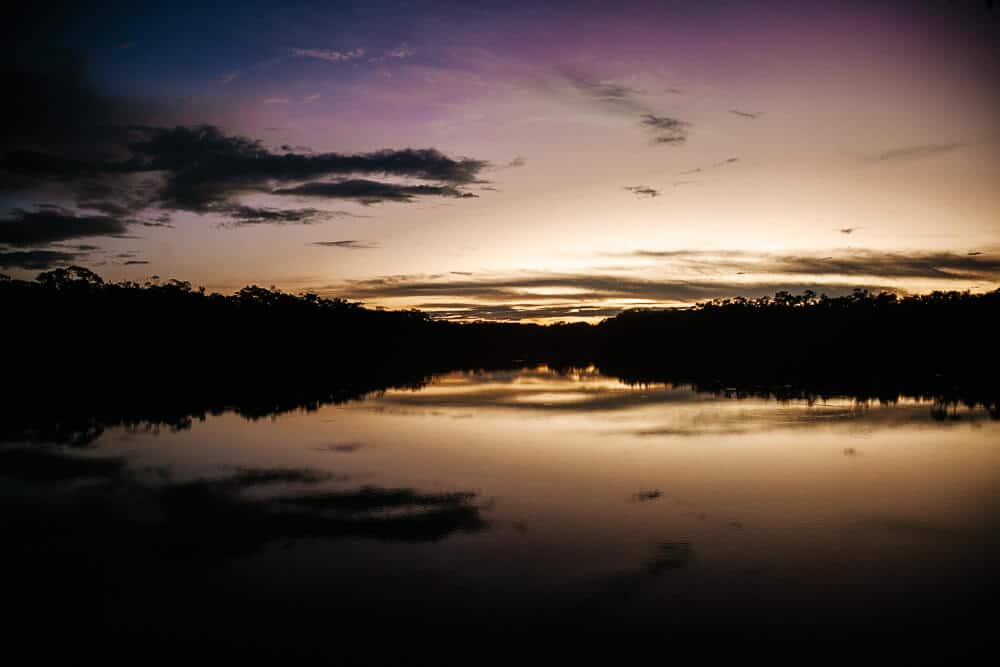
[[148, 513]]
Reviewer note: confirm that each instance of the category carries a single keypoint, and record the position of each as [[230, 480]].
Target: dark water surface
[[468, 519]]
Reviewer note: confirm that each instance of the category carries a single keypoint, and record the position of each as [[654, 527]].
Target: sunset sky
[[558, 160]]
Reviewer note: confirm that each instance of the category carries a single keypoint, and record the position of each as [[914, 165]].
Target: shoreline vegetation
[[82, 353]]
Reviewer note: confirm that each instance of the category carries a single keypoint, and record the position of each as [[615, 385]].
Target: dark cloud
[[940, 265], [342, 448], [205, 166], [49, 225], [252, 215], [586, 289], [667, 130], [372, 192], [895, 265], [642, 191], [620, 98], [81, 247], [753, 115], [132, 262], [517, 162], [147, 516], [917, 152], [350, 245], [37, 259], [110, 158], [59, 115]]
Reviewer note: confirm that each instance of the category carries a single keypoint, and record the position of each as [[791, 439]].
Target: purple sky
[[585, 157]]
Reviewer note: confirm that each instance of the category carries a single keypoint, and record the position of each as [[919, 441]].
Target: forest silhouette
[[101, 353]]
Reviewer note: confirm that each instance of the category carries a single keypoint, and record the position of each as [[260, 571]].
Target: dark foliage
[[164, 352]]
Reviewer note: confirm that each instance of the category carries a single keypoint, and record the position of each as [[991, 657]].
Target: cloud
[[132, 262], [577, 290], [276, 100], [514, 312], [65, 134], [917, 152], [205, 166], [58, 110], [613, 96], [853, 263], [372, 192], [309, 99], [37, 259], [517, 162], [401, 52], [714, 165], [694, 276], [239, 214], [228, 78], [350, 245], [49, 225], [623, 99], [153, 518], [895, 265], [642, 191], [667, 130], [328, 55], [753, 115]]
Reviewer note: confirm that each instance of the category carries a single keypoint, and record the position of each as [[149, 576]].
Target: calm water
[[517, 503]]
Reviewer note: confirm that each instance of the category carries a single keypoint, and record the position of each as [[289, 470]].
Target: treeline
[[69, 334]]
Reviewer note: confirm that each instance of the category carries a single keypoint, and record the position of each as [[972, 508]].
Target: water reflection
[[527, 502]]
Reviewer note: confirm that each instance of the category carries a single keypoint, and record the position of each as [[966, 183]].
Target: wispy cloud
[[328, 55], [401, 52], [714, 165], [642, 191], [752, 115], [620, 98], [917, 152], [666, 130], [348, 245], [850, 263]]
